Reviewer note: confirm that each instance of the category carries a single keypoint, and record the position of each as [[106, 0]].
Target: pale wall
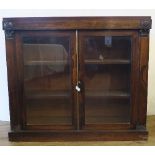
[[4, 110]]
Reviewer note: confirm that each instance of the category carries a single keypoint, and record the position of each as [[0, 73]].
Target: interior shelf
[[59, 62], [107, 94], [66, 94], [106, 119], [107, 61], [45, 113], [48, 95], [48, 120], [35, 63]]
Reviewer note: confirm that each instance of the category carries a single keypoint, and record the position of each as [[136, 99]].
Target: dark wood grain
[[95, 120], [134, 78], [12, 84], [144, 57], [121, 135], [54, 23]]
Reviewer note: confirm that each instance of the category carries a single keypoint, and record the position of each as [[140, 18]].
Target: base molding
[[39, 136]]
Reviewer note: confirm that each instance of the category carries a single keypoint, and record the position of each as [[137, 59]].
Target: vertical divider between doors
[[81, 94], [77, 79]]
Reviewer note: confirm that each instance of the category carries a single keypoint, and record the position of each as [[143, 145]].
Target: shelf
[[90, 94], [49, 113], [35, 63], [48, 120], [48, 95], [108, 61], [107, 111], [107, 94], [60, 62], [107, 119]]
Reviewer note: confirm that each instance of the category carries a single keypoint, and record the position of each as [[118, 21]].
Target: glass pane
[[47, 80], [107, 79]]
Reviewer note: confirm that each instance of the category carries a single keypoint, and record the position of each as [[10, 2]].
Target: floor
[[4, 128]]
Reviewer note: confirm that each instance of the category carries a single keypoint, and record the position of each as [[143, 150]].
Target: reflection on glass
[[107, 79], [47, 83], [50, 58], [108, 47]]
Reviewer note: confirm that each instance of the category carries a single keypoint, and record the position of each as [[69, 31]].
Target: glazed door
[[45, 60], [107, 74]]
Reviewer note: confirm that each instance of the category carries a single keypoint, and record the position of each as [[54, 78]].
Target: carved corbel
[[8, 27], [9, 34], [144, 32]]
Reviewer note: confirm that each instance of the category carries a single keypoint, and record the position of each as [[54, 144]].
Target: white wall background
[[4, 108]]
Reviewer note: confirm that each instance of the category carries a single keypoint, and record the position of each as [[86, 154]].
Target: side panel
[[12, 80], [144, 57]]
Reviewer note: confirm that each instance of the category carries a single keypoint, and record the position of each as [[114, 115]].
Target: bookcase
[[77, 78]]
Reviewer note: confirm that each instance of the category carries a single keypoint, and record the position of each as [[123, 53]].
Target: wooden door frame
[[20, 64], [133, 81]]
